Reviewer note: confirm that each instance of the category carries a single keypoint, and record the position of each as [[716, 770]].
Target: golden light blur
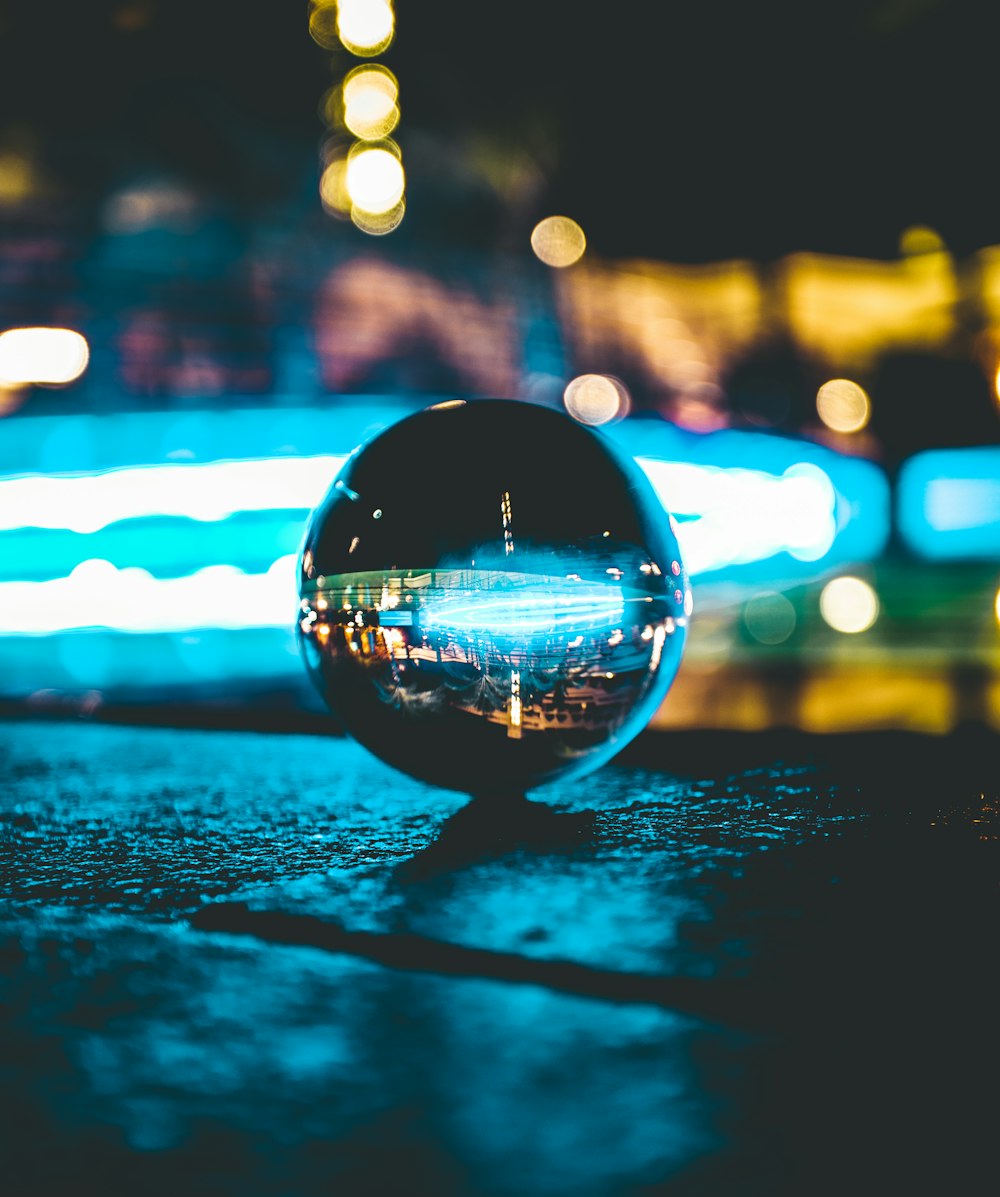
[[365, 27], [375, 178], [996, 606], [11, 398], [838, 697], [41, 356], [846, 308], [596, 399], [843, 405], [985, 279], [366, 182], [17, 177], [769, 617], [558, 241], [369, 98], [331, 106], [679, 324], [323, 24], [919, 239], [333, 187], [848, 605], [377, 224]]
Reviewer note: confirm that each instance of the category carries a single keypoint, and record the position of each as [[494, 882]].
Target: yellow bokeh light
[[596, 399], [369, 98], [377, 224], [375, 178], [41, 356], [843, 405], [17, 178], [370, 76], [996, 606], [841, 308], [323, 26], [996, 384], [372, 119], [558, 241], [919, 239], [333, 187], [331, 106], [365, 27], [848, 605]]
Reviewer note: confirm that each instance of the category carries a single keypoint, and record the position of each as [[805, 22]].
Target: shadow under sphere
[[492, 597]]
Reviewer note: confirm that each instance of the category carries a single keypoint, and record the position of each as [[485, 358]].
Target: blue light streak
[[948, 504], [800, 508], [536, 606]]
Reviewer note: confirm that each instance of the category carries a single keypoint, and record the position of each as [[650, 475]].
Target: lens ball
[[492, 597]]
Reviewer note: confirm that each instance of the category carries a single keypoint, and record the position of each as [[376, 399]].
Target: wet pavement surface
[[252, 964]]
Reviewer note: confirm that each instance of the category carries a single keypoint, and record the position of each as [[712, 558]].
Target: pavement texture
[[259, 964]]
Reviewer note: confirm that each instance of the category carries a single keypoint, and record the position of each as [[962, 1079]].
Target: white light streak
[[746, 515], [90, 502], [49, 356], [98, 595], [740, 516]]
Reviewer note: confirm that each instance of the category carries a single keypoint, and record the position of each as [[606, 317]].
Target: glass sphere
[[492, 597]]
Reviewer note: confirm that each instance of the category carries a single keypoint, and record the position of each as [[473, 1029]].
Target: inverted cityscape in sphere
[[491, 597]]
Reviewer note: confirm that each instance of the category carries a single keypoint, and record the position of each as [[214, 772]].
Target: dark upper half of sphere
[[489, 481]]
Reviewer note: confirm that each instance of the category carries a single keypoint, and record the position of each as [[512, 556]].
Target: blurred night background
[[758, 244]]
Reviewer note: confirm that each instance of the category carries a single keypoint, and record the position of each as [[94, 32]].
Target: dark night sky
[[686, 132]]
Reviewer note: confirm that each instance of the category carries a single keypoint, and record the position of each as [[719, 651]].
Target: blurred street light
[[843, 405], [558, 241], [848, 605], [41, 356]]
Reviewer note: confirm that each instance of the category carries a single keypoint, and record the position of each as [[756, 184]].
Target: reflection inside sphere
[[514, 657]]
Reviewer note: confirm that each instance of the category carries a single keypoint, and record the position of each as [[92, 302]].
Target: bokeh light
[[996, 606], [848, 605], [323, 24], [375, 178], [41, 356], [846, 309], [558, 241], [333, 186], [17, 177], [769, 617], [156, 204], [843, 406], [377, 224], [596, 399], [365, 27], [745, 515], [369, 97], [919, 239]]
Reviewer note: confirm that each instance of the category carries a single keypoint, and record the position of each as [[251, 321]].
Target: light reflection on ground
[[139, 1048]]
